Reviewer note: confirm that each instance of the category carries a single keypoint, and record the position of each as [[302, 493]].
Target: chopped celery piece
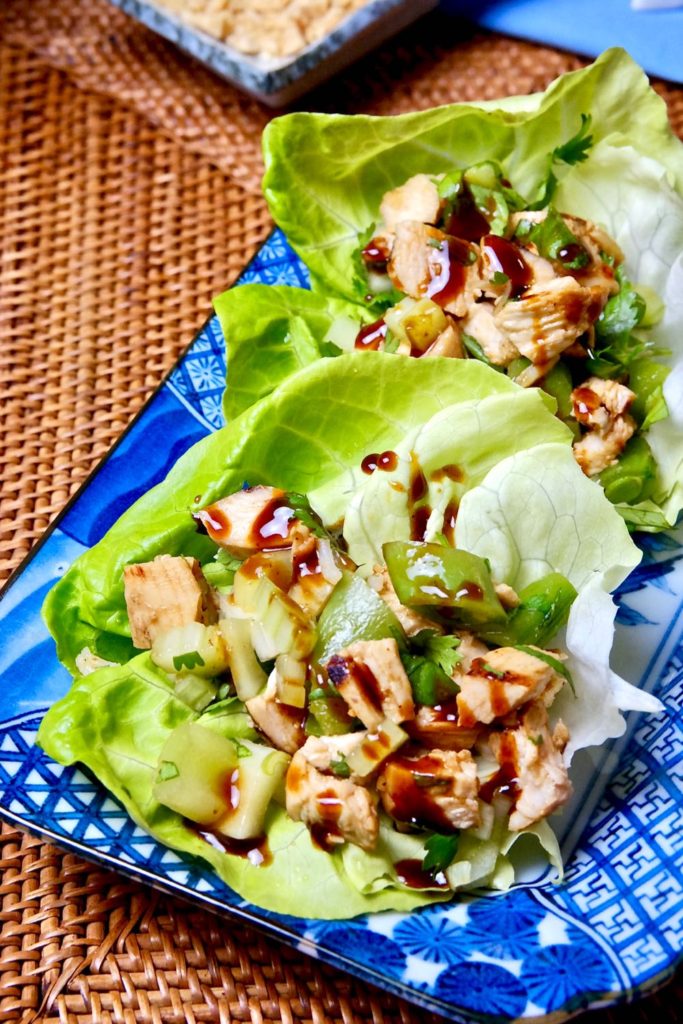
[[279, 626], [194, 648], [432, 575], [354, 612], [543, 608], [247, 675], [194, 775], [633, 477], [275, 566], [194, 690], [375, 748], [646, 379], [260, 778], [290, 680], [419, 322]]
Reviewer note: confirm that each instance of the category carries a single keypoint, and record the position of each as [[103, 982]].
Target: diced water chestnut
[[260, 779], [194, 648], [247, 675], [419, 322], [290, 680], [376, 746], [195, 772]]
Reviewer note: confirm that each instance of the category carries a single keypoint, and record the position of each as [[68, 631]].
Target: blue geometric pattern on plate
[[613, 927]]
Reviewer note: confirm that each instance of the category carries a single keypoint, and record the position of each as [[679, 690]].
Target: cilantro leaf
[[221, 571], [623, 311], [441, 649], [340, 767], [440, 852], [554, 240], [390, 341], [301, 507], [189, 661], [575, 150], [554, 663]]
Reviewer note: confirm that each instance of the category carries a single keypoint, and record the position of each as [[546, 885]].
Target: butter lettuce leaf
[[116, 721], [315, 428], [272, 332], [326, 174]]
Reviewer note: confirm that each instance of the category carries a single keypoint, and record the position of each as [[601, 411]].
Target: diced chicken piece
[[597, 242], [281, 724], [531, 756], [469, 649], [412, 621], [481, 325], [323, 751], [435, 788], [88, 662], [170, 591], [336, 809], [250, 520], [448, 344], [426, 262], [501, 681], [507, 596], [549, 317], [417, 199], [369, 675], [602, 406], [438, 727], [315, 572]]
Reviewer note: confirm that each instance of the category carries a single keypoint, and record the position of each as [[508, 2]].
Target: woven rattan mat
[[128, 197]]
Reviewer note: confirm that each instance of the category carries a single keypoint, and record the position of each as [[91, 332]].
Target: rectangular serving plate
[[278, 81], [611, 929]]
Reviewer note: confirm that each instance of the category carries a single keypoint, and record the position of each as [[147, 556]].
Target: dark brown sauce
[[212, 520], [506, 258], [448, 268], [449, 518], [447, 711], [256, 851], [450, 472], [368, 684], [466, 220], [411, 873], [505, 781], [471, 590], [386, 461], [376, 255], [419, 518], [573, 309], [325, 833], [376, 745], [418, 481], [306, 561], [409, 781], [371, 336], [570, 253], [585, 401], [272, 524]]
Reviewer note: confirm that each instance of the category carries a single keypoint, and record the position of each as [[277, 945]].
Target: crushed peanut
[[266, 28]]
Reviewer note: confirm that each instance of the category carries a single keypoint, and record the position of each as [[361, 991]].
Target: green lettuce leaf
[[315, 428], [326, 175], [122, 749], [272, 332]]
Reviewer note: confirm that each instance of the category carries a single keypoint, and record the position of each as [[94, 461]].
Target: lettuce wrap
[[326, 176], [310, 436]]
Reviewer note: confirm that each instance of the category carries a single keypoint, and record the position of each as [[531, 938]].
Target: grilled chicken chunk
[[602, 406], [281, 724], [549, 317], [438, 727], [533, 757], [337, 809], [480, 324], [250, 520], [427, 262], [169, 591], [435, 788], [501, 681], [411, 620], [369, 675], [469, 649], [417, 199]]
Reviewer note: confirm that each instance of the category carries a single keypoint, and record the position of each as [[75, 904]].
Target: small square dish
[[278, 80], [538, 951]]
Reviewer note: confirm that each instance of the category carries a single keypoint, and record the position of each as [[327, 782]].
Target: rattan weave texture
[[128, 197]]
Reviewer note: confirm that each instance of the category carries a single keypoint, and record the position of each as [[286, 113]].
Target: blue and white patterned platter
[[611, 930]]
